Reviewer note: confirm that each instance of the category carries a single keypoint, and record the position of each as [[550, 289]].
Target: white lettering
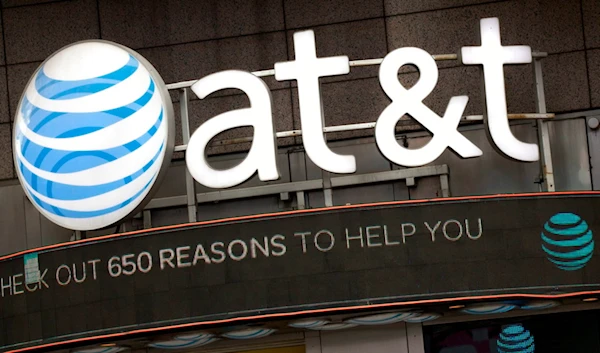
[[200, 254], [255, 244], [31, 289], [41, 282], [220, 253], [370, 236], [354, 237], [93, 263], [303, 235], [58, 276], [242, 255], [280, 246], [263, 153], [493, 56], [6, 285], [140, 263], [114, 266], [181, 256], [16, 284], [408, 229], [83, 276], [432, 230], [474, 237], [166, 258], [385, 236], [331, 240], [445, 229], [410, 101], [307, 69], [126, 261]]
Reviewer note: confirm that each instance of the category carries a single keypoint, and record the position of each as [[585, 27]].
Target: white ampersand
[[410, 101]]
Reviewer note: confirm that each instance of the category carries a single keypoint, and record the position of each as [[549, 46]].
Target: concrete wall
[[188, 39]]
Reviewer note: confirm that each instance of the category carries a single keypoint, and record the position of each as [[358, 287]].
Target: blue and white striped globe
[[515, 339], [568, 241], [93, 131]]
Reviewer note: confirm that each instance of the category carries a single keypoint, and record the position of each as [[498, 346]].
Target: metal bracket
[[301, 187], [190, 186], [300, 200], [546, 167], [327, 193], [284, 196], [147, 218]]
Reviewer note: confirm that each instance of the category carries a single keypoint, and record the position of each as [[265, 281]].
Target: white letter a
[[262, 154]]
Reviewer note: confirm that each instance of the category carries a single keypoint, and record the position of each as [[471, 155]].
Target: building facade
[[554, 102]]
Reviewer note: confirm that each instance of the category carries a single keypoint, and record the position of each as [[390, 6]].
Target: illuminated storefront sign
[[332, 260], [94, 128]]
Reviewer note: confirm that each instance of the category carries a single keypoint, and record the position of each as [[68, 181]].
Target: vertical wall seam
[[320, 343], [10, 124], [385, 27], [287, 55], [291, 91], [98, 17], [585, 53], [391, 165], [587, 71], [406, 339]]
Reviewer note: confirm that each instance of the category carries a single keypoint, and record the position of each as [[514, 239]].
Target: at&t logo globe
[[515, 339], [568, 241], [93, 134]]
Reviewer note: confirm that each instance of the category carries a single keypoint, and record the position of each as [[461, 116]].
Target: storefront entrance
[[573, 332]]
